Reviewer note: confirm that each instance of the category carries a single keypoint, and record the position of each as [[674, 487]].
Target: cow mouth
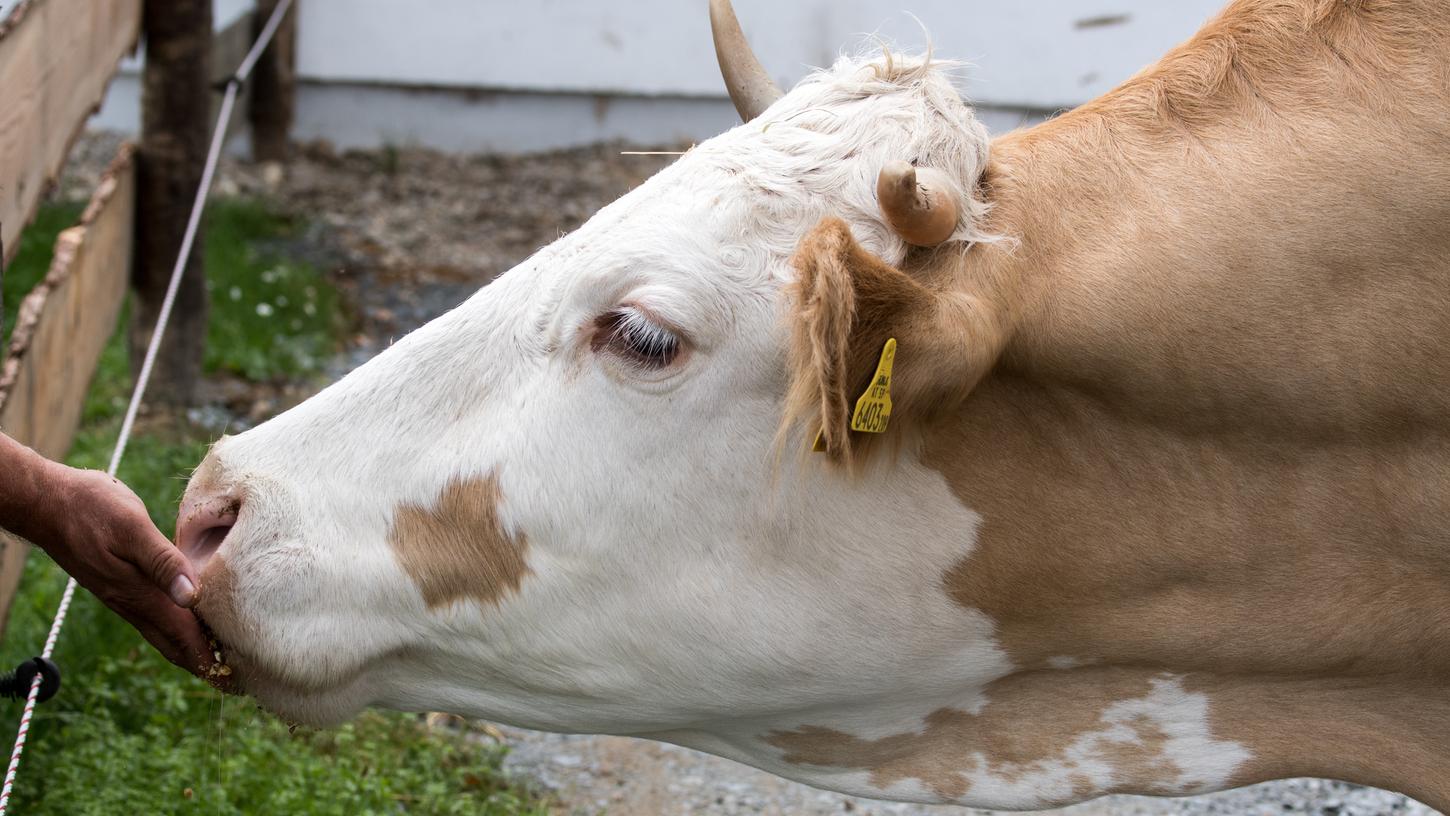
[[226, 678], [246, 671], [323, 705], [243, 657], [218, 672], [201, 530]]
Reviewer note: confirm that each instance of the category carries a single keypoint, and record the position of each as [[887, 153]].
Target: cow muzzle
[[205, 519], [282, 611]]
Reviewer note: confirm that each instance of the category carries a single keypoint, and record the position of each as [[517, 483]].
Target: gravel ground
[[409, 234], [618, 775]]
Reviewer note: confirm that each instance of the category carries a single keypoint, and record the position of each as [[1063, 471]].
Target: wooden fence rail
[[56, 59], [62, 327]]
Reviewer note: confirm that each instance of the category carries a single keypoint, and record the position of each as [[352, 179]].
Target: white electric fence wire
[[264, 38], [218, 139]]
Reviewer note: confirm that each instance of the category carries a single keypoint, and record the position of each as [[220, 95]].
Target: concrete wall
[[509, 75]]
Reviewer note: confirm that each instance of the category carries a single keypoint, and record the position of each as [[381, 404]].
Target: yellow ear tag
[[873, 409]]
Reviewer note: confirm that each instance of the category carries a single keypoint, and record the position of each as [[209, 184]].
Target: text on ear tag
[[873, 409]]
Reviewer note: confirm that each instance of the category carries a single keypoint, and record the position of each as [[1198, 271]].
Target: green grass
[[279, 318], [129, 733]]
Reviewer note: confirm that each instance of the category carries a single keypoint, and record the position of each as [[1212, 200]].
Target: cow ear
[[846, 304]]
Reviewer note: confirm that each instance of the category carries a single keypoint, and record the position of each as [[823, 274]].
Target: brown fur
[[1217, 439], [1008, 739], [457, 548]]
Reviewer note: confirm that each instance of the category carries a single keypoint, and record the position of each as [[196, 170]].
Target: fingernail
[[183, 592]]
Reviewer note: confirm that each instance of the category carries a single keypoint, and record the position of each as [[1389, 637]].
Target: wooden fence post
[[175, 125], [274, 85]]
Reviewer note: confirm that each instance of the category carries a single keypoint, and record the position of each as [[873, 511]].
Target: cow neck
[[1218, 449]]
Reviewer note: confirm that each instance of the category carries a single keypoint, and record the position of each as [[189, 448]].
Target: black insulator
[[16, 685]]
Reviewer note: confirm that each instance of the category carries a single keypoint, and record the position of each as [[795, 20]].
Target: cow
[[1109, 455]]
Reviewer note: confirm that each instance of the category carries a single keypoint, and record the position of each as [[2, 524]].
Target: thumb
[[168, 569]]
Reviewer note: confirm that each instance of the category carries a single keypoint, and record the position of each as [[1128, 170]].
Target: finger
[[190, 642], [165, 566], [176, 653], [176, 633]]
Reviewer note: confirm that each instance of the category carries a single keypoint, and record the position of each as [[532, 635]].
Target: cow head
[[567, 503], [585, 499]]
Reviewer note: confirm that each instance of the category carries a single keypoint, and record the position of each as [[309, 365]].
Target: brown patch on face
[[1026, 727], [458, 549]]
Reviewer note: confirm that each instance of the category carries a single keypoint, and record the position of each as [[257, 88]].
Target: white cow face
[[563, 504]]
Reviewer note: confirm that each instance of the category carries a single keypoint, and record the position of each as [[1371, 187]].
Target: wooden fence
[[57, 58]]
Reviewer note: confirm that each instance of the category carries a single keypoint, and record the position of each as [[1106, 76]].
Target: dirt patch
[[411, 233]]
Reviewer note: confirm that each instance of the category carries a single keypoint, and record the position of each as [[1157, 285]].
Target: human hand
[[99, 533]]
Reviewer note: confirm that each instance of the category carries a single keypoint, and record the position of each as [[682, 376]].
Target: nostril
[[211, 540], [203, 527]]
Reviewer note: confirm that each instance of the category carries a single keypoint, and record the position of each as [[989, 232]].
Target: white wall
[[1028, 53], [539, 74]]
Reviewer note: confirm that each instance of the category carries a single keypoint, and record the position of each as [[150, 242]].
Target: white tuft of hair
[[818, 150]]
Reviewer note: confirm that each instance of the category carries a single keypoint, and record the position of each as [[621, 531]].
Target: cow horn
[[918, 203], [750, 87]]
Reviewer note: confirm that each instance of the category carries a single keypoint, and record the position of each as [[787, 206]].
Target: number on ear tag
[[873, 409]]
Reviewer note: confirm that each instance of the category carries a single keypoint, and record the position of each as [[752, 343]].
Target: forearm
[[30, 486]]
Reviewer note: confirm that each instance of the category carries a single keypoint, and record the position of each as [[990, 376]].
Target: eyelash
[[627, 333]]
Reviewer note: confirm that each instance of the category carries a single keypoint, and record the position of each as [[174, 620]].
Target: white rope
[[218, 139], [264, 37]]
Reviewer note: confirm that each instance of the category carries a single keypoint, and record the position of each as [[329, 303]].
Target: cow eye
[[628, 334]]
